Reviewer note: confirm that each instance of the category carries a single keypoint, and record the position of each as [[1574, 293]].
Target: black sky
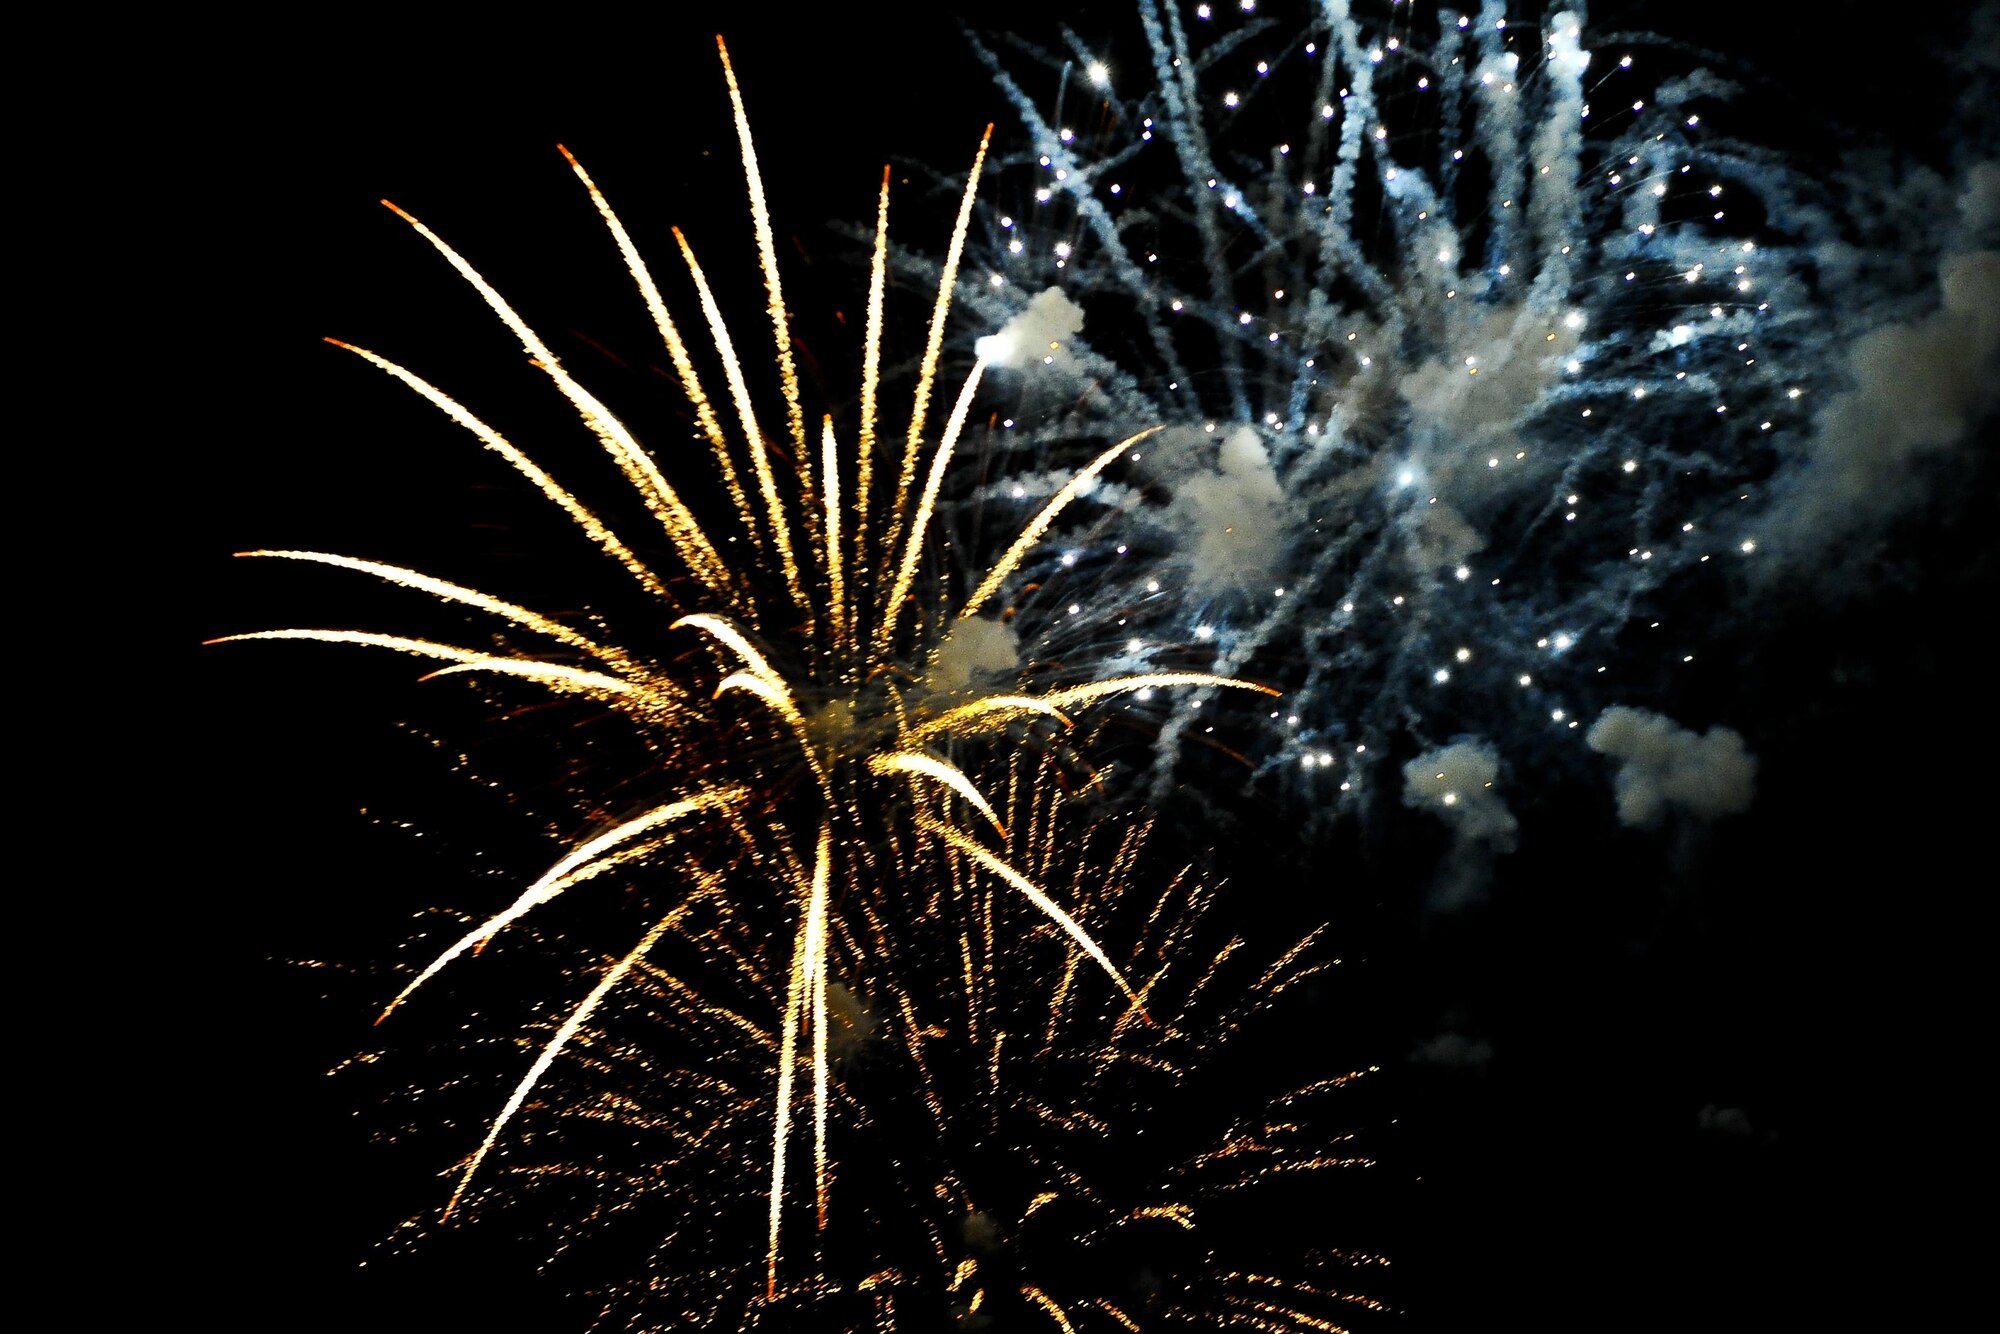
[[1809, 965]]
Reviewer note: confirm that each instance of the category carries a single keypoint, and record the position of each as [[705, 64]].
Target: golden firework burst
[[837, 771]]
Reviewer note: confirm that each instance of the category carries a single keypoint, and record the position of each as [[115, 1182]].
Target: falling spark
[[1432, 344], [1004, 1066], [832, 631]]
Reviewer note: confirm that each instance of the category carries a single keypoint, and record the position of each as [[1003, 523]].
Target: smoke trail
[[1492, 376]]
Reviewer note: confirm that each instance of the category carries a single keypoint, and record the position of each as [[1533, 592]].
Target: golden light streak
[[1117, 1314], [1306, 1289], [947, 281], [916, 762], [816, 961], [757, 1033], [423, 648], [1047, 1303], [1035, 896], [808, 975], [1325, 1085], [788, 1046], [1022, 545], [970, 980], [1215, 965], [836, 573], [767, 255], [1286, 959], [704, 411], [570, 1026], [779, 698], [917, 1033], [563, 873], [449, 592], [1002, 708], [1119, 685], [746, 415], [1297, 1319], [728, 634], [871, 375], [551, 674], [1270, 1326], [631, 458], [906, 572], [527, 467]]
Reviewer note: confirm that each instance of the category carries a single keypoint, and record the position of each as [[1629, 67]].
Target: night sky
[[1706, 1075]]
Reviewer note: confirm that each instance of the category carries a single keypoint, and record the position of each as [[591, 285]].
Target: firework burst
[[1016, 1143], [1488, 369], [806, 730], [1399, 280]]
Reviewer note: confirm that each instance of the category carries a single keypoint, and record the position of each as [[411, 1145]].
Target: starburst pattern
[[807, 732], [1014, 1140], [1487, 368]]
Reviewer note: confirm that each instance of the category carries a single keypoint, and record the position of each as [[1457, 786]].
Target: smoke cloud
[[1455, 783], [1916, 389], [1662, 764], [1235, 515]]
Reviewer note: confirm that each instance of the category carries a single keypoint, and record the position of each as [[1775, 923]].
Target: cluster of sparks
[[991, 1082], [1464, 363], [811, 743]]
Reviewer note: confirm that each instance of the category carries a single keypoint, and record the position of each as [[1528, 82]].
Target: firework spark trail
[[522, 463], [632, 459], [554, 675], [1477, 393], [581, 863], [570, 1027], [1006, 1076], [807, 628]]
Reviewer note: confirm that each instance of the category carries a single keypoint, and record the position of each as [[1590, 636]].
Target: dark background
[[1813, 963]]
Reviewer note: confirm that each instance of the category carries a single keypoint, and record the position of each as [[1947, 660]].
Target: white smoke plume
[[976, 653], [1037, 336], [1452, 452], [1456, 783], [1661, 764], [1235, 515], [1917, 388]]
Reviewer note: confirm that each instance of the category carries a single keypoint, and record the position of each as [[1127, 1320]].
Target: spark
[[1026, 1058], [1396, 427], [819, 623]]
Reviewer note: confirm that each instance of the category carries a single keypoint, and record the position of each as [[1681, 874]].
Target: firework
[[1487, 372], [807, 723], [1015, 1142]]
